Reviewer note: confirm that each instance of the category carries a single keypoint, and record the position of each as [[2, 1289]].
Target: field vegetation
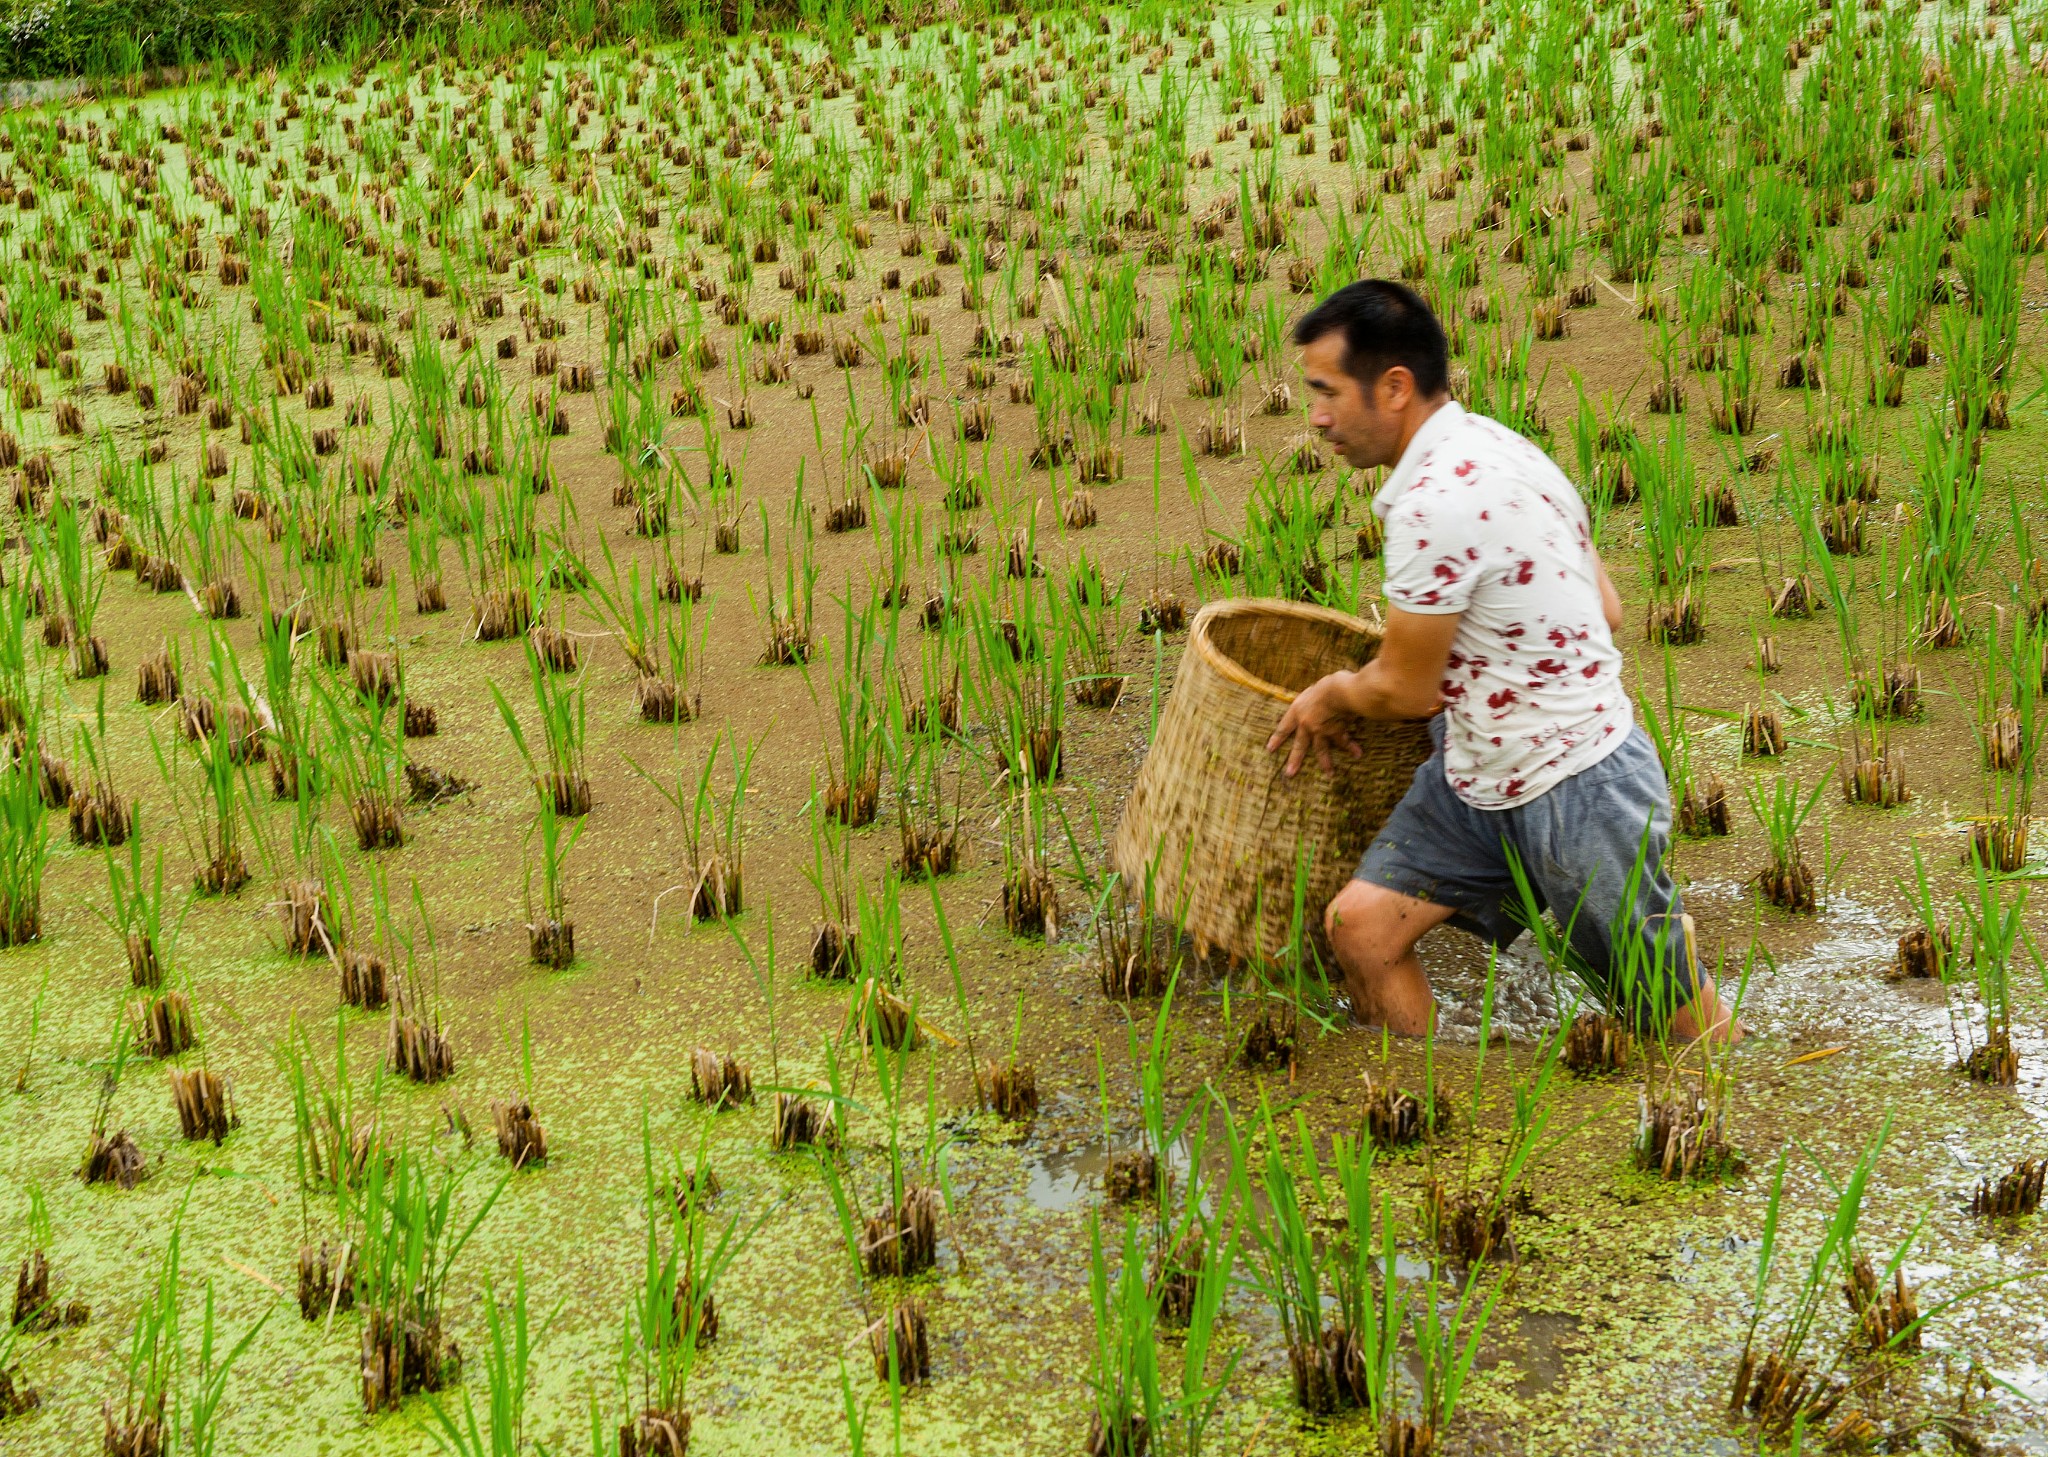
[[580, 600]]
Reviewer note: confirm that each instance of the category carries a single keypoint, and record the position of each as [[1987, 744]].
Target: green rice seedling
[[224, 736], [1501, 385], [835, 954], [1476, 1223], [77, 587], [1782, 810], [1999, 836], [1019, 690], [899, 547], [1873, 770], [1447, 1338], [145, 1416], [1891, 691], [1136, 951], [663, 639], [497, 549], [557, 772], [1927, 949], [1294, 973], [789, 616], [923, 737], [2008, 691], [1675, 539], [335, 1121], [410, 1242], [1735, 412], [1284, 554], [901, 1238], [418, 1046], [508, 1363], [1636, 203], [856, 1415], [112, 1159], [368, 742], [204, 1385], [1002, 1083], [1783, 1385], [853, 795], [1368, 1322], [17, 1397], [97, 814], [1700, 796], [707, 1249], [1221, 557], [1288, 1263], [1030, 896], [1145, 1172], [1600, 446], [1130, 1405], [296, 766], [874, 951], [423, 534], [17, 604], [1090, 614], [1191, 1283], [715, 832], [1948, 536], [551, 936], [212, 542], [24, 852], [1998, 938], [35, 1029], [798, 1121]]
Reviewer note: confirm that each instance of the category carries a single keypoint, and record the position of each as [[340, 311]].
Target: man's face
[[1363, 425]]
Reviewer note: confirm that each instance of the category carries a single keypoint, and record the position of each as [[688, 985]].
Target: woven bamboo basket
[[1222, 830]]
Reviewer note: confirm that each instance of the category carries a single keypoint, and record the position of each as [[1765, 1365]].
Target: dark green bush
[[110, 39]]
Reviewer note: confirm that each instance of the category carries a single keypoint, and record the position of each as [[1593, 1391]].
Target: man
[[1499, 629]]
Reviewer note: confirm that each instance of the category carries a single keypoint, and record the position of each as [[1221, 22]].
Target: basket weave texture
[[1223, 829]]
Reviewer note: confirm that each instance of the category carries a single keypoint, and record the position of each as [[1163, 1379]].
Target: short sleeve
[[1432, 553]]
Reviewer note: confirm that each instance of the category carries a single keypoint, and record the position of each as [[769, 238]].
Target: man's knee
[[1368, 922]]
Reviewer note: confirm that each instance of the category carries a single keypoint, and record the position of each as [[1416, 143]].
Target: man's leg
[[1373, 931], [1706, 1015], [1595, 845]]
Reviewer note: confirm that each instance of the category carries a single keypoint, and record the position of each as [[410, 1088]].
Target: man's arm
[[1610, 600], [1404, 680]]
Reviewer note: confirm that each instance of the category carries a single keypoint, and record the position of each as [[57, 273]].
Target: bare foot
[[1704, 1016], [1722, 1030]]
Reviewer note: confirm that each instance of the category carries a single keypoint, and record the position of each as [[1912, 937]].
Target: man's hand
[[1316, 720], [1405, 680]]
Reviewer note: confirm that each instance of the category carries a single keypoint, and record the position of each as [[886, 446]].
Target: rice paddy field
[[577, 624]]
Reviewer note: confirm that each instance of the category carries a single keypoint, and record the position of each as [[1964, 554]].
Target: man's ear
[[1395, 388]]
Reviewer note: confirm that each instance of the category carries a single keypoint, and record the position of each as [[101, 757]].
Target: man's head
[[1376, 365]]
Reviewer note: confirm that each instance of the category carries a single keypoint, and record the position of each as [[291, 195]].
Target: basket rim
[[1233, 671]]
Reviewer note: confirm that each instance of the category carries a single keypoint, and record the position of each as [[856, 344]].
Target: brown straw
[[1223, 830]]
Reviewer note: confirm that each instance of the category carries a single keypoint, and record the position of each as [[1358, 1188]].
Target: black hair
[[1384, 324]]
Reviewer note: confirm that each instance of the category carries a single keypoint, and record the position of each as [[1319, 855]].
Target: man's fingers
[[1300, 752], [1282, 731]]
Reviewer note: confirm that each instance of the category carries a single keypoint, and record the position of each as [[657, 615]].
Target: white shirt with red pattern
[[1481, 521]]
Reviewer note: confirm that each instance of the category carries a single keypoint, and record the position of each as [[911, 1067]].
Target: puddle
[[2030, 1380], [1524, 996], [1537, 1343], [1065, 1178]]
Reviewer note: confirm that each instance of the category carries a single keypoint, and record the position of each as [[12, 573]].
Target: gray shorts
[[1592, 848]]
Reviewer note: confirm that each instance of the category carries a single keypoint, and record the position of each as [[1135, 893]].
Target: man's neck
[[1421, 417]]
